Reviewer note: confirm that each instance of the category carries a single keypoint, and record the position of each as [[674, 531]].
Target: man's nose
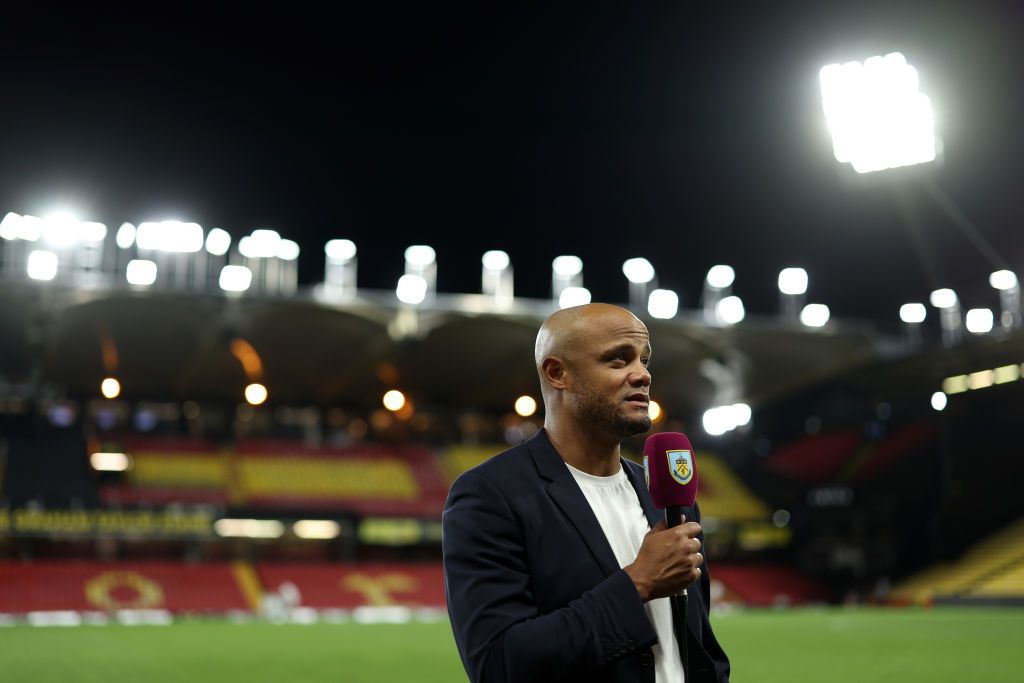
[[641, 377]]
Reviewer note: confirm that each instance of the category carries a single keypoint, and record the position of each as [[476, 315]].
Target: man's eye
[[645, 361]]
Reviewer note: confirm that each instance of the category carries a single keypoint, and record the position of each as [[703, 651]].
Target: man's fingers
[[660, 526]]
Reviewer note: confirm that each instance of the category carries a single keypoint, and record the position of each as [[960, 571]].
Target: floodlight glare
[[495, 260], [567, 266], [721, 277], [30, 228], [394, 400], [411, 289], [110, 388], [260, 244], [316, 529], [663, 304], [340, 250], [141, 272], [42, 265], [655, 412], [1003, 279], [169, 236], [979, 320], [573, 296], [60, 229], [9, 226], [715, 422], [943, 298], [793, 281], [255, 394], [110, 462], [91, 231], [740, 414], [730, 310], [939, 400], [235, 278], [218, 242], [876, 115], [125, 236], [420, 255], [638, 270], [287, 250], [913, 313], [525, 406], [814, 315]]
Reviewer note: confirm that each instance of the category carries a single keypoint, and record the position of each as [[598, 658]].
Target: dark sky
[[689, 136]]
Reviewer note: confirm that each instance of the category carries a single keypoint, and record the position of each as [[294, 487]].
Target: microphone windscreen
[[671, 469]]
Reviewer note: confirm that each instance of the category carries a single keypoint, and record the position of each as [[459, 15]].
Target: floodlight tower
[[1009, 298]]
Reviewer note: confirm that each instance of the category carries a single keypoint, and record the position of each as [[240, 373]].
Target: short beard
[[594, 409]]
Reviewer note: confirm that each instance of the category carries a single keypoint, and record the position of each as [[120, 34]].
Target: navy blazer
[[534, 590]]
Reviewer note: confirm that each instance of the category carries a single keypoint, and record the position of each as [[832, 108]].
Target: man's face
[[609, 383]]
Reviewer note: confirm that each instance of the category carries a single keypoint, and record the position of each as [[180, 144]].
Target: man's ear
[[553, 372]]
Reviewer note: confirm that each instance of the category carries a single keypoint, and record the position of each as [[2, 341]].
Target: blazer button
[[646, 659]]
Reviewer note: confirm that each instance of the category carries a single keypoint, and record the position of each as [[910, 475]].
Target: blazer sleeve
[[500, 632], [719, 660]]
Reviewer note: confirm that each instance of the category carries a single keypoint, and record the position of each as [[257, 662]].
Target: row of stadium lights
[[269, 264], [983, 379]]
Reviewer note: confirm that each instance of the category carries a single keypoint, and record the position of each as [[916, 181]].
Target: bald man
[[557, 565]]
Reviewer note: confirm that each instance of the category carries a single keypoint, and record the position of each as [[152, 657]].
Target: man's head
[[592, 362]]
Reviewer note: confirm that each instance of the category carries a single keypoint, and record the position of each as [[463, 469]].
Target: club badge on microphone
[[670, 469]]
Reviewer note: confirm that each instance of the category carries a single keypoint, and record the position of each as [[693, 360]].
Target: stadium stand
[[349, 586], [768, 585], [992, 567]]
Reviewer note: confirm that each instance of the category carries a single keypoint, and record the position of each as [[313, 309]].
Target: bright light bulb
[[730, 310], [255, 394], [394, 400], [793, 281], [567, 266], [721, 277], [943, 298], [110, 388], [573, 296], [638, 270], [525, 406], [495, 260], [814, 315], [663, 304], [411, 289], [913, 313]]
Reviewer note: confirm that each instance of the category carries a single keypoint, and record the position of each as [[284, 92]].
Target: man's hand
[[669, 560]]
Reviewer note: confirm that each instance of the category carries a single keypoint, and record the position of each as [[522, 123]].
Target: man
[[553, 571]]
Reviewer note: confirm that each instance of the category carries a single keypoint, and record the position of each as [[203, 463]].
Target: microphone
[[671, 473]]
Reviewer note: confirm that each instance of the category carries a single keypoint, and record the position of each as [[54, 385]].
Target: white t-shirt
[[614, 502]]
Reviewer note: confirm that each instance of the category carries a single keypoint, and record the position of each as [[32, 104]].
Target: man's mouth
[[639, 398]]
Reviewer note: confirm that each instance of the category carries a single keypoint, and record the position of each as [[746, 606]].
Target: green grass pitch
[[819, 646]]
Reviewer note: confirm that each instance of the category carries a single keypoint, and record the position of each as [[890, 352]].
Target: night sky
[[689, 136]]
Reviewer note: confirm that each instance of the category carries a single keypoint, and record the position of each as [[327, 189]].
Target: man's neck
[[588, 451]]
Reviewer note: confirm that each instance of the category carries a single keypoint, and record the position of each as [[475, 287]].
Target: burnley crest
[[680, 466]]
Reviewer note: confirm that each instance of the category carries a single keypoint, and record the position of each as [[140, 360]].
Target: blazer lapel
[[566, 494]]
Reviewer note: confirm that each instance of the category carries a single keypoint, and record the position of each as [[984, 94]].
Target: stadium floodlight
[[141, 272], [287, 250], [42, 265], [340, 269], [110, 461], [913, 313], [9, 229], [638, 270], [715, 422], [261, 243], [496, 278], [1003, 279], [655, 412], [235, 278], [640, 274], [31, 228], [340, 251], [1007, 373], [979, 320], [496, 260], [110, 388], [740, 414], [814, 315], [721, 277], [218, 242], [125, 237], [1010, 316], [316, 529], [943, 298], [982, 379], [411, 289], [92, 231], [939, 401], [566, 271], [663, 304], [567, 266], [393, 400], [573, 296], [730, 310], [61, 229], [525, 406], [420, 256], [421, 262], [174, 237], [255, 394], [877, 116], [793, 281]]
